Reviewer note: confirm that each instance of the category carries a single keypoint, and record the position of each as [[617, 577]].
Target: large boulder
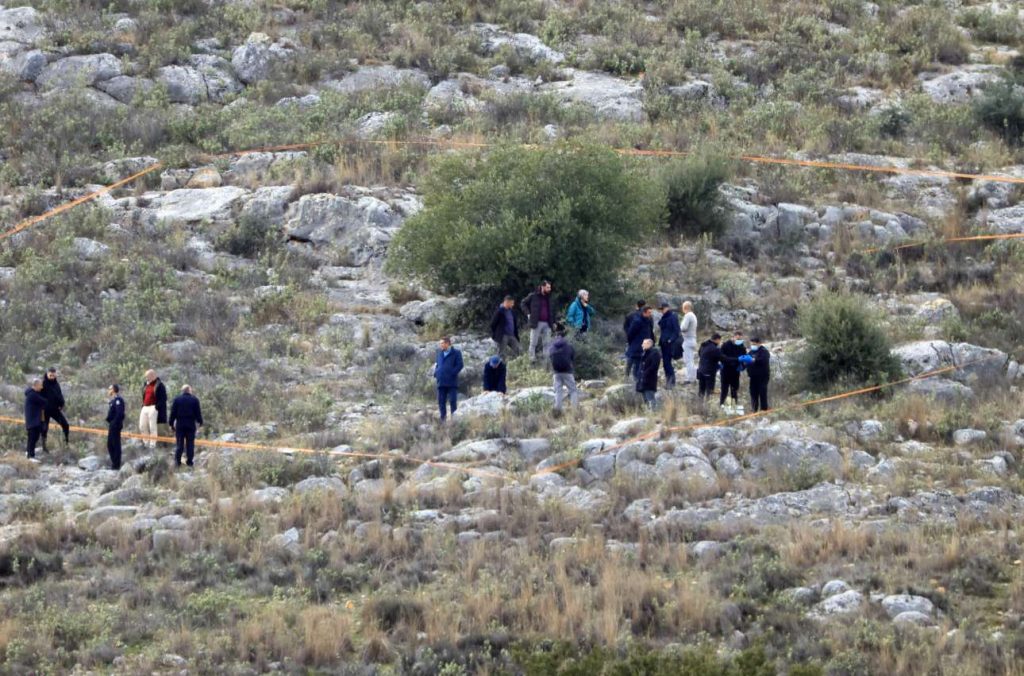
[[196, 205], [256, 59], [1006, 221], [380, 77], [25, 65], [523, 45], [23, 25], [958, 86], [362, 226], [610, 97], [792, 456], [125, 88], [184, 84], [978, 364], [218, 78], [84, 70]]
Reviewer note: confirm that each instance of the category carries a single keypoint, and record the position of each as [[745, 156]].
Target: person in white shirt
[[689, 330]]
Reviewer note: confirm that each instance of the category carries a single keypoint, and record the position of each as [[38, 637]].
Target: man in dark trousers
[[540, 314], [35, 404], [505, 328], [447, 367], [710, 357], [759, 370], [495, 372], [154, 407], [563, 364], [626, 323], [650, 362], [186, 418], [667, 341], [54, 406], [731, 367], [640, 330], [115, 423]]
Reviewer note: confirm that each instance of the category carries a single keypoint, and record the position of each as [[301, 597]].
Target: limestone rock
[[901, 603], [255, 60], [380, 77], [194, 205], [611, 98], [76, 71], [318, 484]]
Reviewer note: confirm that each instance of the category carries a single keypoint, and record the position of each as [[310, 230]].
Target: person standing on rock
[[35, 405], [495, 372], [731, 367], [759, 370], [563, 363], [154, 408], [115, 423], [505, 329], [447, 367], [580, 313], [186, 418], [54, 406], [689, 331], [641, 329], [710, 356], [538, 312], [669, 340], [650, 362]]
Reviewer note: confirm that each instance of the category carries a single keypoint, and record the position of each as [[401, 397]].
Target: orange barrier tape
[[947, 240], [236, 445], [67, 206], [725, 422]]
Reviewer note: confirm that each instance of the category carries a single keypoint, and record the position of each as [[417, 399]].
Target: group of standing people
[[647, 352], [44, 401]]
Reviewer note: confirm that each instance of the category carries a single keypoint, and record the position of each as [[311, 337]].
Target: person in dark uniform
[[186, 417], [35, 404], [647, 383], [54, 406], [495, 373], [731, 367], [670, 336], [709, 356], [115, 423], [759, 370]]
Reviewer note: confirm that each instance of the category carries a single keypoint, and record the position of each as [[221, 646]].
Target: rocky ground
[[877, 534]]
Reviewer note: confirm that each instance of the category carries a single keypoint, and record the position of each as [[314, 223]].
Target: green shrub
[[694, 204], [845, 344], [928, 34], [502, 221], [1001, 109]]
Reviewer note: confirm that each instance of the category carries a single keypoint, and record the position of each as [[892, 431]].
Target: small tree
[[1001, 109], [845, 344], [693, 200], [502, 221]]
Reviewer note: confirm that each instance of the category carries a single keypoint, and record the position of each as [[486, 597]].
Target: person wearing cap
[[759, 370], [54, 406], [669, 340], [689, 332], [710, 357], [115, 423], [650, 362], [505, 328], [580, 313], [186, 418], [731, 368], [563, 364], [494, 375]]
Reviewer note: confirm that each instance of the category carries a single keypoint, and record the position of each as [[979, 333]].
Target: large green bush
[[1001, 109], [845, 344], [500, 222], [693, 200]]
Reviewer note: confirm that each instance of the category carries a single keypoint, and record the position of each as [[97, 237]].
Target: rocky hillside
[[868, 535]]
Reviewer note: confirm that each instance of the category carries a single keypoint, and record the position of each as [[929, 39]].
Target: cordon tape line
[[757, 159], [68, 206], [725, 422], [235, 445]]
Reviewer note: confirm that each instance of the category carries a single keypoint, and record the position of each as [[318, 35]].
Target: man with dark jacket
[[154, 407], [505, 328], [563, 363], [641, 329], [494, 375], [710, 357], [650, 362], [35, 405], [670, 336], [539, 313], [759, 370], [186, 418], [731, 367], [447, 366], [115, 422], [54, 406]]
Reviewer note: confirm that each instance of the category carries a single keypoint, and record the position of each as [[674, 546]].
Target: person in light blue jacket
[[581, 313], [447, 367]]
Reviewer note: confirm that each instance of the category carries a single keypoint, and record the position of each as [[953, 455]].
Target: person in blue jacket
[[185, 419], [580, 313], [494, 375], [115, 423], [447, 367], [670, 336], [640, 329]]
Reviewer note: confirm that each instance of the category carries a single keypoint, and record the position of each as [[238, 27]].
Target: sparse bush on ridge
[[695, 206]]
